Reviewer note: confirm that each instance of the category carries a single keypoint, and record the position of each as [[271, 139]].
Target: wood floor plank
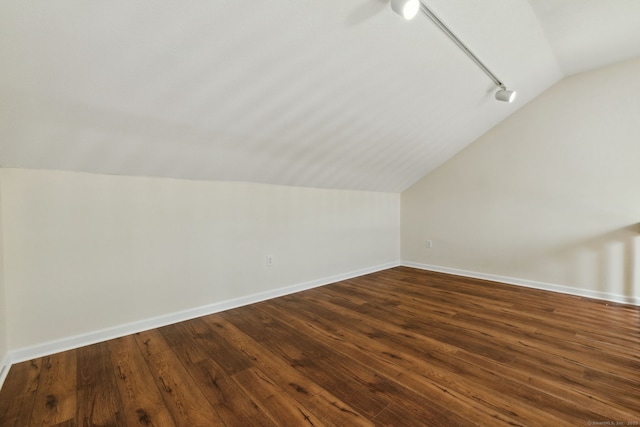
[[142, 402], [99, 402], [437, 387], [563, 346], [188, 341], [561, 398], [187, 338], [522, 389], [209, 345], [23, 378], [18, 393], [184, 399], [334, 412], [56, 396], [17, 410], [400, 347], [283, 373], [234, 406], [327, 407], [392, 416], [285, 346], [482, 329], [68, 423], [364, 372], [273, 400]]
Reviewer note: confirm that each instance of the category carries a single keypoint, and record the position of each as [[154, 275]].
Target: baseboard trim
[[69, 343], [621, 299], [5, 365]]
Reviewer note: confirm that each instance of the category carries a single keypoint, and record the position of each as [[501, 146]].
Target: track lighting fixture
[[505, 95], [409, 8]]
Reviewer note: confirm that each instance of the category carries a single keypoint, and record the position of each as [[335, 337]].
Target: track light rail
[[408, 10], [442, 26]]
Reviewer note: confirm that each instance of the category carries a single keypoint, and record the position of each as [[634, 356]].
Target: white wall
[[3, 306], [550, 195], [89, 252]]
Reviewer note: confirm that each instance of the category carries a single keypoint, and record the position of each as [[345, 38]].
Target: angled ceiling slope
[[333, 94]]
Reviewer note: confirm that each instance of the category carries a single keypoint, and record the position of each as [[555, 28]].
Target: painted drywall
[[3, 306], [89, 252], [550, 195]]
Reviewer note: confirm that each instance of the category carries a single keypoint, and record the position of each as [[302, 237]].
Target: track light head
[[408, 9], [506, 95]]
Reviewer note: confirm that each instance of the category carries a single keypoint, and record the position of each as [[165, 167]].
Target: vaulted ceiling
[[333, 93]]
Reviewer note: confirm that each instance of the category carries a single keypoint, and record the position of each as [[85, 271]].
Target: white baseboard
[[69, 343], [5, 365], [527, 283]]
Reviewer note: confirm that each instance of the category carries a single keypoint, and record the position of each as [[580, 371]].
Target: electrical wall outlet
[[429, 244], [269, 260]]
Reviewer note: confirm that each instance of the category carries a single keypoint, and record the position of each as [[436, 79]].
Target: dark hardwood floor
[[402, 347]]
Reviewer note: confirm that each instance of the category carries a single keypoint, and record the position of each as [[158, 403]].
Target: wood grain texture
[[402, 347], [55, 399]]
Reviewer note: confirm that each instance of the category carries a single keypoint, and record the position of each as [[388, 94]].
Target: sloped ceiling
[[588, 34], [332, 94]]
